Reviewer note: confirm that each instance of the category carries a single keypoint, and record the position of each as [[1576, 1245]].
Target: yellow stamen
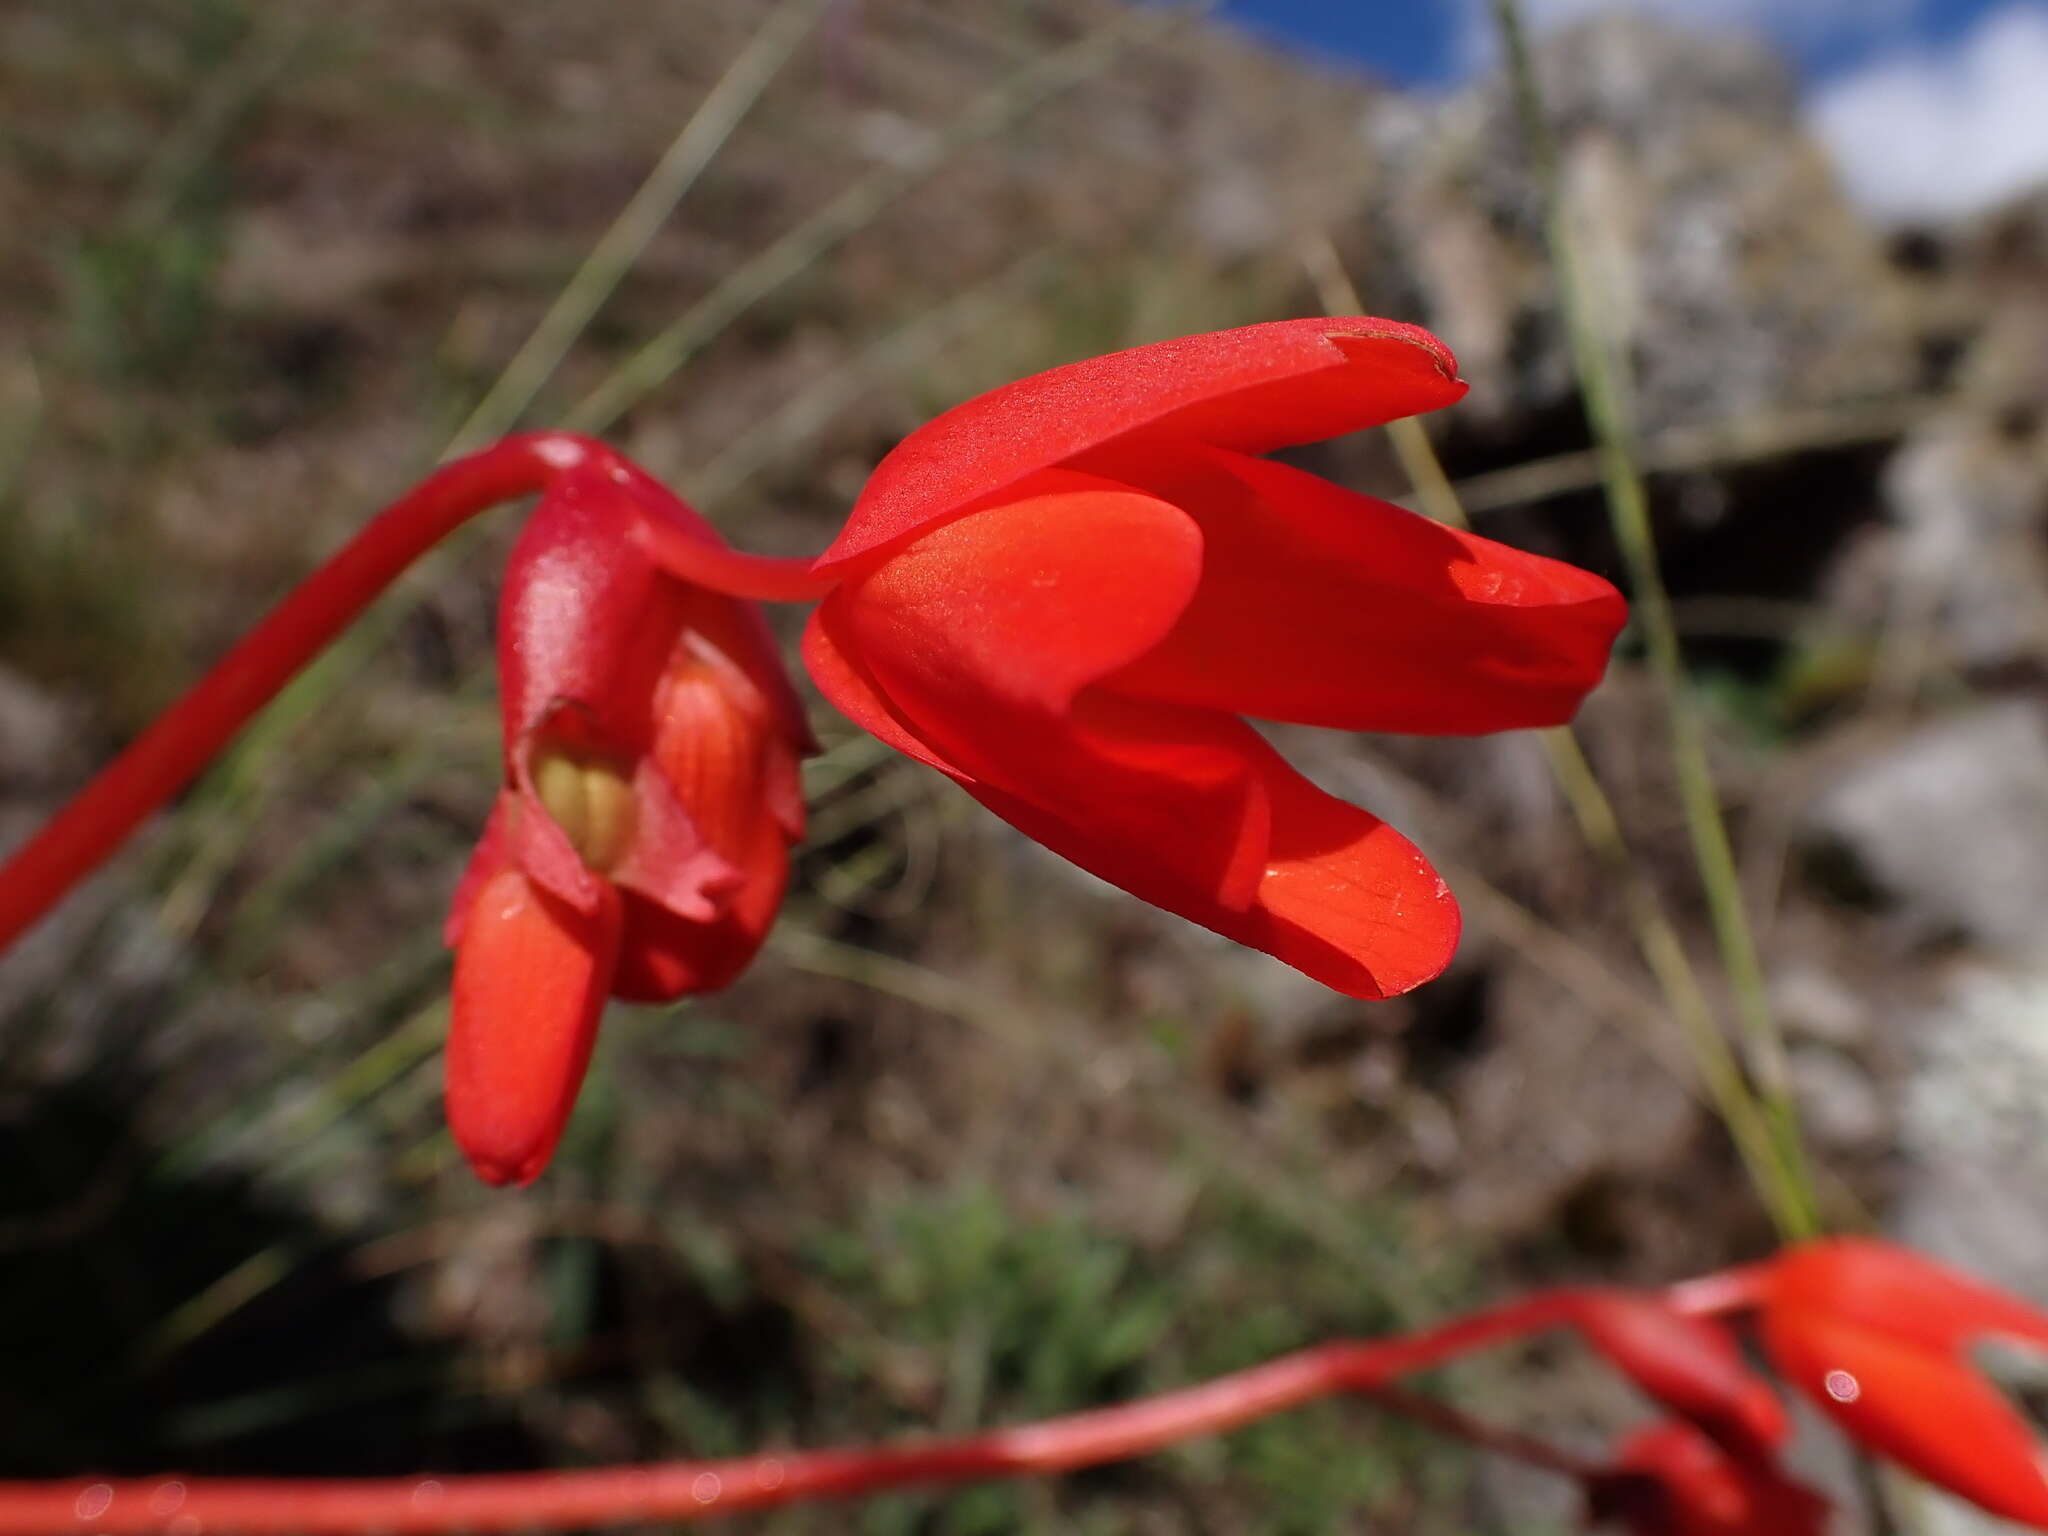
[[592, 802]]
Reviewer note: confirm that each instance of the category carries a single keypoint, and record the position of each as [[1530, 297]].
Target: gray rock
[[1839, 1102], [1951, 822], [1975, 1131], [1723, 253]]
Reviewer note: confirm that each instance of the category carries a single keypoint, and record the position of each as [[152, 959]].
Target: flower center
[[591, 801]]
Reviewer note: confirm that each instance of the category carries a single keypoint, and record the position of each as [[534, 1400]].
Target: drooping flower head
[[1070, 592], [1879, 1338], [1669, 1479], [639, 848], [1690, 1366]]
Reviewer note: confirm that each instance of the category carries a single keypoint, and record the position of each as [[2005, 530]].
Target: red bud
[[1689, 1365], [1878, 1337], [531, 975], [1671, 1480]]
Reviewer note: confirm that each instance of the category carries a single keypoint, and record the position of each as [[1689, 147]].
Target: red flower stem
[[1718, 1294], [1508, 1443], [690, 557], [689, 1490], [180, 742]]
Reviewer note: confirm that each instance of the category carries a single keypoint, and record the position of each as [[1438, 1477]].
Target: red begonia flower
[[1068, 593], [1879, 1338], [1690, 1365], [639, 848], [1671, 1480]]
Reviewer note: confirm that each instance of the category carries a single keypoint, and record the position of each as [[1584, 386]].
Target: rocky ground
[[977, 1138]]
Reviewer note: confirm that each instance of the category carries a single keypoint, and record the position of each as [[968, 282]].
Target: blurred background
[[978, 1138]]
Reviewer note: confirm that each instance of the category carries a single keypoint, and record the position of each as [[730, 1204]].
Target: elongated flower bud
[[640, 847]]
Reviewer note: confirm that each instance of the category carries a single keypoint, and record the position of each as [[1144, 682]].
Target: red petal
[[663, 956], [1020, 606], [1671, 1480], [586, 618], [530, 982], [666, 859], [721, 746], [738, 634], [1345, 897], [1893, 1290], [976, 646], [1195, 813], [1324, 607], [1690, 1366], [1253, 389], [1166, 803], [846, 683], [491, 856], [1923, 1409]]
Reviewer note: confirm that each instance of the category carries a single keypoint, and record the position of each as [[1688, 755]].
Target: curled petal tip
[[1353, 337]]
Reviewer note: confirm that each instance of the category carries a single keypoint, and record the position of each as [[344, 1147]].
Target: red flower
[[1879, 1338], [1067, 593], [1671, 1480], [1690, 1365], [640, 846]]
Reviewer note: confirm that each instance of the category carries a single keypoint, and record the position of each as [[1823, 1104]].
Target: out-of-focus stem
[[1720, 1294], [1776, 1184], [1509, 1444], [1628, 507], [692, 1490], [1661, 948]]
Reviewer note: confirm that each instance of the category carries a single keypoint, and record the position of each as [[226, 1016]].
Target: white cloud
[[1932, 133], [1798, 22]]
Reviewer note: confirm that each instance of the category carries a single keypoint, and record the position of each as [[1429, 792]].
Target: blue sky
[[1932, 108], [1426, 42]]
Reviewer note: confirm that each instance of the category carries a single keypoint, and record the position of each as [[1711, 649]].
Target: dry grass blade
[[1001, 107], [1715, 445], [693, 148], [806, 413], [1602, 382], [1223, 1145], [279, 33], [1662, 949]]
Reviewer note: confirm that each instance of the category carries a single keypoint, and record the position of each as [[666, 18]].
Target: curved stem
[[181, 741], [1720, 1294], [689, 1490], [689, 556]]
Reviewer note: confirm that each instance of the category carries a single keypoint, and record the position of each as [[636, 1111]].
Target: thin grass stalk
[[1721, 1074], [1602, 386], [1706, 446], [1000, 108], [807, 412], [620, 247], [234, 788], [231, 91]]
